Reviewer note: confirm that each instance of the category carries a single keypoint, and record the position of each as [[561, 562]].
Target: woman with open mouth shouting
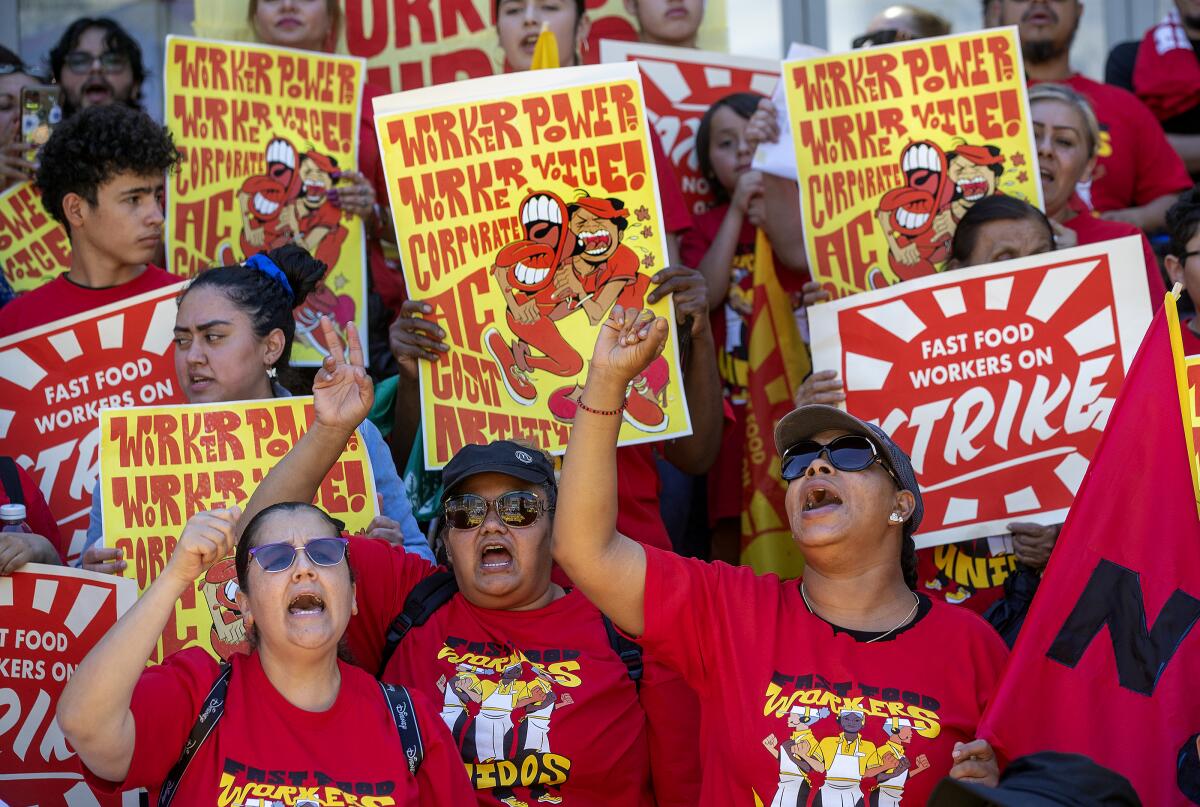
[[546, 702], [285, 720], [902, 681], [233, 334]]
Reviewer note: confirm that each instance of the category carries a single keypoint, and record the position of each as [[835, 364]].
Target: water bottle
[[12, 518]]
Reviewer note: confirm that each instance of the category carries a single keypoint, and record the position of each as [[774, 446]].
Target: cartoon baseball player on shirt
[[848, 759], [890, 783], [798, 755]]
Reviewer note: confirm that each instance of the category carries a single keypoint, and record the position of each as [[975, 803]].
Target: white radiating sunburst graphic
[[871, 370]]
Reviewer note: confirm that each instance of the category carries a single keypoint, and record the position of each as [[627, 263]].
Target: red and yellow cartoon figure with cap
[[975, 173], [220, 589], [318, 219]]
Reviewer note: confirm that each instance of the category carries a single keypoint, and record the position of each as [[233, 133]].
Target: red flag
[[1108, 663]]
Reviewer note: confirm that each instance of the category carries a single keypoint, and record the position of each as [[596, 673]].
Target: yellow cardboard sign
[[525, 207], [34, 248], [894, 145], [159, 466], [265, 132]]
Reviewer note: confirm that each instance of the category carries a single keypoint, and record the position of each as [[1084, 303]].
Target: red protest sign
[[997, 380], [55, 379], [680, 85], [50, 617]]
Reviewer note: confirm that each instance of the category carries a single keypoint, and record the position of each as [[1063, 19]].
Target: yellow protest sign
[[159, 466], [894, 144], [525, 207], [34, 248], [266, 133]]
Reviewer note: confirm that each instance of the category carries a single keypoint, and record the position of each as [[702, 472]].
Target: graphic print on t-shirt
[[500, 705], [243, 785], [852, 743]]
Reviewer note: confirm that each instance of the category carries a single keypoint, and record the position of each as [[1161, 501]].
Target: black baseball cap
[[1045, 779], [808, 421], [502, 457]]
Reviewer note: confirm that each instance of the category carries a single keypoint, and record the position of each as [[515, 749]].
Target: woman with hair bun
[[233, 333]]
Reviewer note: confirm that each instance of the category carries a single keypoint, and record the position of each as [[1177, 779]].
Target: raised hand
[[342, 392], [628, 341], [207, 537], [412, 337], [691, 296], [763, 126], [823, 387]]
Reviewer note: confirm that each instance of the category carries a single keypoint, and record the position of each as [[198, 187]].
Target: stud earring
[[895, 518]]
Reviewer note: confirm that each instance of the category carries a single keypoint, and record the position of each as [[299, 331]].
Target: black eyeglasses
[[1183, 258], [850, 452], [518, 508], [80, 61], [280, 556]]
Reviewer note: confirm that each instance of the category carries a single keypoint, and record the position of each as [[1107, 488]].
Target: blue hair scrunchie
[[268, 267]]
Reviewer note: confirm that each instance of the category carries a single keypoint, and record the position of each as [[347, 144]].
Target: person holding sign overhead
[[275, 708], [233, 334], [853, 635]]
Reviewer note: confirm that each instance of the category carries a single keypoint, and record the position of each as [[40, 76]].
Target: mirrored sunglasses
[[518, 508]]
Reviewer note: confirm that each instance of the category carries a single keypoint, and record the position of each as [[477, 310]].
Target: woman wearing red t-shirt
[[296, 719], [1068, 142], [541, 706], [849, 680]]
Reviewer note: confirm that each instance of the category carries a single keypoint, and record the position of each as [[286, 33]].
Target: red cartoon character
[[918, 240], [525, 271], [220, 589], [268, 221]]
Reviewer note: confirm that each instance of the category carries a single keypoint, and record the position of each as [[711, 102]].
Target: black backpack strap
[[11, 480], [629, 651], [211, 710], [426, 597], [405, 717]]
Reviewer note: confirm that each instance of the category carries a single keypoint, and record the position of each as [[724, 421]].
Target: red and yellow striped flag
[[778, 362]]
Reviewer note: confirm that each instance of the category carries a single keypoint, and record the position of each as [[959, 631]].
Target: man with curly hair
[[102, 175]]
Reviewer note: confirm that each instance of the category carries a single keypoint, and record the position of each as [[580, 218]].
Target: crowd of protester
[[627, 545]]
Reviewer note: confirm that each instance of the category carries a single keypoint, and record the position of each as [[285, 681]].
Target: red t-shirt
[[37, 513], [752, 651], [264, 748], [1191, 342], [676, 217], [567, 722], [1137, 165], [1092, 229], [60, 298], [638, 489]]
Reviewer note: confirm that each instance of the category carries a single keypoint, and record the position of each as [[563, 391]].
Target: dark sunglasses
[[850, 452], [80, 61], [518, 508], [885, 37], [279, 557]]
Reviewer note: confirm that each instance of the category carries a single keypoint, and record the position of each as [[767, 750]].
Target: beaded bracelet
[[616, 411]]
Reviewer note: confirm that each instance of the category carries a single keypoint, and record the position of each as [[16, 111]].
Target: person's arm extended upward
[[609, 568], [93, 711], [342, 397]]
